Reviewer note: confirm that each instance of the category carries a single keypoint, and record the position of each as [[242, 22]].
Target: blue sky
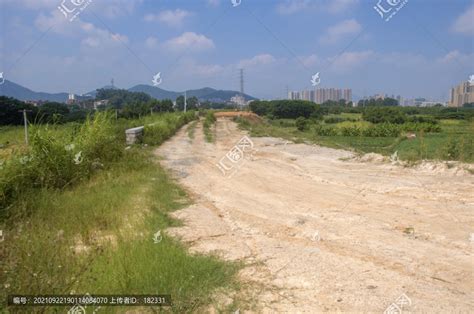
[[426, 48]]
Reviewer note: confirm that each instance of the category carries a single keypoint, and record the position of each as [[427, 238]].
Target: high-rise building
[[462, 94], [347, 95], [334, 94], [320, 95], [306, 95], [294, 95]]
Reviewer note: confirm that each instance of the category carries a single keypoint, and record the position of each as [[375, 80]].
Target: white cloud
[[337, 6], [335, 33], [455, 56], [190, 40], [91, 36], [213, 3], [151, 42], [171, 18], [465, 22], [310, 61], [349, 60], [262, 59], [109, 8], [332, 6]]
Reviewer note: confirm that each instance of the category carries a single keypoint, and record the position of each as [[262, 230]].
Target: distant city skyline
[[422, 51]]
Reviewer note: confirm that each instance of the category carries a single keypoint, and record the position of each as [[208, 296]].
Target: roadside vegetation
[[80, 214], [208, 124], [415, 133]]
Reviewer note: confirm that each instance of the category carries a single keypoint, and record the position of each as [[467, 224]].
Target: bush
[[351, 131], [333, 120], [382, 130], [324, 130], [384, 115], [301, 124]]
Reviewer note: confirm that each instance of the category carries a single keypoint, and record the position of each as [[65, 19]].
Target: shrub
[[382, 130], [333, 120], [351, 131], [384, 115], [301, 124], [324, 130]]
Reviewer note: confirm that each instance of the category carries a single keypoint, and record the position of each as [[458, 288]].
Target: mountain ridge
[[11, 89]]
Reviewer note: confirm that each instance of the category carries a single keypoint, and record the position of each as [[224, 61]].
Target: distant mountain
[[14, 90], [11, 89], [206, 93], [154, 92], [94, 92]]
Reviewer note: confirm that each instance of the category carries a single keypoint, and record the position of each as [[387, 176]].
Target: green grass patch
[[97, 238], [454, 141], [208, 123]]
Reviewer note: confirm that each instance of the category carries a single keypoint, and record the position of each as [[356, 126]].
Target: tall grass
[[65, 234], [159, 131], [54, 161]]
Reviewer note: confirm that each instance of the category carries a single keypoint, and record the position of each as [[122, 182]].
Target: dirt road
[[320, 231]]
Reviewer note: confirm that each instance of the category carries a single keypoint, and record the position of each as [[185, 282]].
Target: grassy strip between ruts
[[97, 237], [192, 129], [209, 121]]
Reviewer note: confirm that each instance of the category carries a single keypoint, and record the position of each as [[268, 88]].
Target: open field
[[321, 230], [454, 142]]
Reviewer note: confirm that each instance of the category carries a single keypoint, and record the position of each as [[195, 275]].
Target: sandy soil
[[321, 231]]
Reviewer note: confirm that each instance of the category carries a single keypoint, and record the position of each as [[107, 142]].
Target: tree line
[[127, 105], [376, 112]]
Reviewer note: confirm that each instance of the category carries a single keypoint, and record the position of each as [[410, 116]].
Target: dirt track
[[322, 233]]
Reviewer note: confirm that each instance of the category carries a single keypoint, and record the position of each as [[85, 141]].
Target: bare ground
[[321, 231]]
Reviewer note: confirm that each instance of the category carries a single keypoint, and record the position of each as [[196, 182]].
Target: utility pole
[[25, 121], [185, 100]]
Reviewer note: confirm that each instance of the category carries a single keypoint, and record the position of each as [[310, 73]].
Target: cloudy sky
[[426, 47]]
